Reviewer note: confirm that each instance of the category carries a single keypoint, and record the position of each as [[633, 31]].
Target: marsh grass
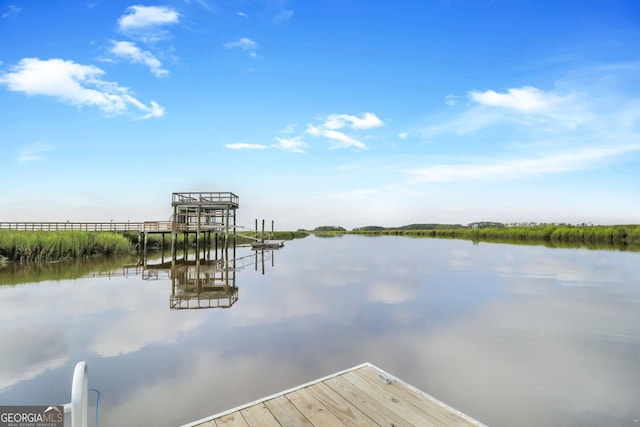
[[58, 245], [621, 236]]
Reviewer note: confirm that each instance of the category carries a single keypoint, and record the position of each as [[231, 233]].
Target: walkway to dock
[[361, 396], [193, 212], [141, 227], [86, 226]]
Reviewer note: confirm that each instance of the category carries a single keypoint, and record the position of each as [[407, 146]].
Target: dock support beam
[[174, 237]]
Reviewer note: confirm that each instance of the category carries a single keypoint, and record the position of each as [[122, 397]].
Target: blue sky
[[343, 112]]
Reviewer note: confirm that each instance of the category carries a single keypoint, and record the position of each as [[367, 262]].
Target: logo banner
[[32, 416]]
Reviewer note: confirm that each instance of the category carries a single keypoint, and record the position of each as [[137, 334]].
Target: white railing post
[[79, 396]]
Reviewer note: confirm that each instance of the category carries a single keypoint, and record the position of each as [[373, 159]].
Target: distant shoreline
[[613, 236], [59, 245]]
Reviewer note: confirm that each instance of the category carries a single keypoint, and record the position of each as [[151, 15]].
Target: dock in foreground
[[364, 396]]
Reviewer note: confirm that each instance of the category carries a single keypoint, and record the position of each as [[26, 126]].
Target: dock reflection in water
[[203, 282], [206, 284]]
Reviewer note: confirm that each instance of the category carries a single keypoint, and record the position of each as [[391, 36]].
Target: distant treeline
[[620, 235], [411, 227], [485, 224]]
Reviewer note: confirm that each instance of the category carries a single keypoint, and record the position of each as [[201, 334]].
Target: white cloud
[[468, 122], [338, 121], [134, 54], [451, 100], [526, 107], [145, 22], [204, 5], [245, 44], [525, 99], [147, 16], [296, 144], [33, 152], [245, 146], [332, 125], [10, 9], [282, 16], [553, 163], [291, 127], [244, 15], [76, 84], [338, 139]]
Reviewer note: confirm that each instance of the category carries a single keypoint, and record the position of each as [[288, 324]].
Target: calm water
[[511, 335]]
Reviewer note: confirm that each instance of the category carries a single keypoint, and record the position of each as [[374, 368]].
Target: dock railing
[[82, 226], [204, 197], [147, 226]]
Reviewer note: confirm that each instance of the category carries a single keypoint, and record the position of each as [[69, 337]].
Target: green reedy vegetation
[[289, 235], [26, 246], [621, 236], [618, 235], [613, 235], [49, 245]]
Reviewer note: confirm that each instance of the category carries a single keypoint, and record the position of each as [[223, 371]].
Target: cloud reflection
[[29, 350], [511, 335]]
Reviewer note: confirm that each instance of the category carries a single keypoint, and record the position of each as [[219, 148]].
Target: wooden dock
[[267, 244], [361, 396]]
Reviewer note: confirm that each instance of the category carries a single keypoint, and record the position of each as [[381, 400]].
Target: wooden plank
[[361, 396], [347, 413], [313, 409], [385, 399], [232, 420], [430, 407], [286, 413], [361, 399], [259, 416]]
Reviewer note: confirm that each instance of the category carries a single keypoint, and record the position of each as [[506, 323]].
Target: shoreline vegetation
[[60, 245], [50, 246], [556, 235]]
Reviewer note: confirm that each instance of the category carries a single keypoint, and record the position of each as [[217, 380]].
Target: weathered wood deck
[[361, 396]]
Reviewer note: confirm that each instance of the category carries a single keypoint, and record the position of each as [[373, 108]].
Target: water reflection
[[512, 335], [207, 284], [198, 281], [17, 273]]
